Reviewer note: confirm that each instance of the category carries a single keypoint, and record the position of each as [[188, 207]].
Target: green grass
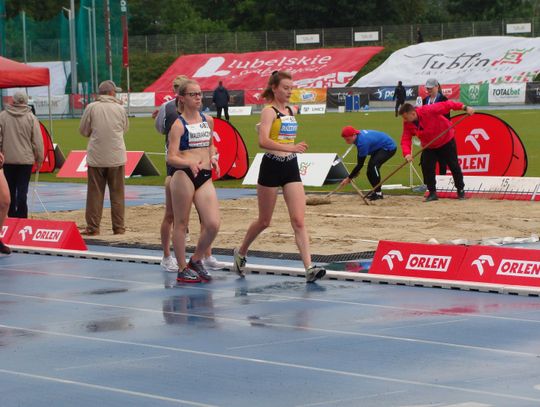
[[321, 132]]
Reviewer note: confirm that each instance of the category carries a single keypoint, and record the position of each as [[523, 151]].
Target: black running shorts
[[276, 171]]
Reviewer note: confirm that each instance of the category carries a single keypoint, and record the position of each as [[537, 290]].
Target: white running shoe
[[169, 264], [211, 263]]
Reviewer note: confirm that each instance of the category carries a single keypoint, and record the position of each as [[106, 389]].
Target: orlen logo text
[[474, 163], [47, 235], [519, 268], [428, 262]]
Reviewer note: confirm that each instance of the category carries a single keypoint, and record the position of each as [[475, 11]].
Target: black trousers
[[18, 178], [446, 153], [225, 110], [377, 159], [398, 104]]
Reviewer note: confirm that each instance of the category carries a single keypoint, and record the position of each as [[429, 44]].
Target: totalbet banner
[[314, 68], [461, 60]]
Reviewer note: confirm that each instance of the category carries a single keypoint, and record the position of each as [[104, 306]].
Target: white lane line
[[339, 401], [409, 326], [288, 297], [116, 362], [258, 345], [267, 362], [294, 327], [104, 388]]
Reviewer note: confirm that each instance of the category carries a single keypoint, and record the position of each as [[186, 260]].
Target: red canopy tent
[[14, 74]]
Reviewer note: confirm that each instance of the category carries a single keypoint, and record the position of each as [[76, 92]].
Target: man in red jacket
[[428, 123]]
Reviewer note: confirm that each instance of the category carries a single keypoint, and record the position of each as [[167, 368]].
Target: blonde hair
[[274, 81], [184, 85], [178, 81]]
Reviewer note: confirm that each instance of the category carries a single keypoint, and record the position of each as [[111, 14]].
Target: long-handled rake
[[322, 200], [372, 190]]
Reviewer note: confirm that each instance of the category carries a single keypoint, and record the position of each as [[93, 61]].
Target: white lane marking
[[104, 388], [257, 345], [273, 324], [274, 363], [408, 326], [116, 362], [338, 401]]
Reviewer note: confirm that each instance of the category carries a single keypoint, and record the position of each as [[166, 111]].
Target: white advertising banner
[[313, 109], [138, 99], [59, 104], [507, 93], [366, 36], [307, 39], [315, 169], [240, 110], [518, 28], [461, 60]]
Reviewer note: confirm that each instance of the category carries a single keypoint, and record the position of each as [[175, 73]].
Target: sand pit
[[344, 226]]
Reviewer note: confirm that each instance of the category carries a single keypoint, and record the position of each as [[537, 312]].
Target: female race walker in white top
[[191, 152], [279, 168]]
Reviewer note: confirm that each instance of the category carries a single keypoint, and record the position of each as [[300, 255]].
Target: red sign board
[[480, 264], [313, 68], [487, 145], [497, 265], [418, 260], [8, 228], [451, 92], [137, 163], [46, 233]]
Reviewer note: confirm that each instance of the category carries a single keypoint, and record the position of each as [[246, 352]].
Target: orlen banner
[[488, 145], [461, 60], [450, 91], [314, 68]]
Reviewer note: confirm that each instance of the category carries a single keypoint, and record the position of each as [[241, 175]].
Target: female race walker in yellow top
[[279, 168], [191, 153]]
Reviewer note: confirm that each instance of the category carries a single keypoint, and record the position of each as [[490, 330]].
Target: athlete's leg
[[167, 222], [295, 198], [207, 205], [182, 191], [266, 199]]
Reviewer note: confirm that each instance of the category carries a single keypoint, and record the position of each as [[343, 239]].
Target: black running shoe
[[375, 196], [431, 197], [188, 276], [461, 194], [4, 249], [198, 268], [314, 273]]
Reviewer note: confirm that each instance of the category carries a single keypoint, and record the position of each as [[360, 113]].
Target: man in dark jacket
[[221, 100], [399, 96]]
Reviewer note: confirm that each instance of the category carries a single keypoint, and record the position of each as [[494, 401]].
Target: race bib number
[[199, 135], [288, 129]]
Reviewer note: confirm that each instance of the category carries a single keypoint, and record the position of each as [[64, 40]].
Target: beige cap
[[20, 98], [108, 86]]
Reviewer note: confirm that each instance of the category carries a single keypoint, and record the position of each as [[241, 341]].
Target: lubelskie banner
[[314, 68]]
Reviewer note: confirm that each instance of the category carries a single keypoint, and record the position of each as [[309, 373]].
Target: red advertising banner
[[497, 265], [314, 68], [46, 233], [480, 264], [418, 260], [451, 92], [487, 145], [137, 163], [8, 228]]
